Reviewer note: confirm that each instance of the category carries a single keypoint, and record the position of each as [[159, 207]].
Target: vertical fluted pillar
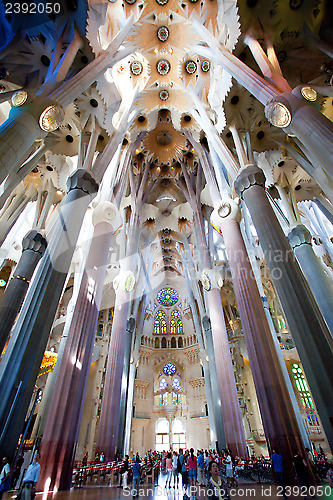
[[231, 412], [65, 412], [232, 418], [21, 361], [33, 247], [309, 330], [124, 383], [214, 393], [300, 241], [107, 436], [278, 417]]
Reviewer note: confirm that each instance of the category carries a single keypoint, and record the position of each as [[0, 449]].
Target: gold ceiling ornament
[[154, 98], [184, 224], [327, 107], [164, 143], [163, 68], [149, 223], [146, 36]]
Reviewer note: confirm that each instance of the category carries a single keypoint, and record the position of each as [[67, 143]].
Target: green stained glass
[[167, 297]]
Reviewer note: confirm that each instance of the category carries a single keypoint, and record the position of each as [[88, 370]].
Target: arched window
[[176, 384], [180, 342], [163, 343], [160, 323], [176, 324], [157, 343], [304, 393], [163, 384], [173, 343], [179, 327]]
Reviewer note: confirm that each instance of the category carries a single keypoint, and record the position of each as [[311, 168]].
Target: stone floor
[[149, 492]]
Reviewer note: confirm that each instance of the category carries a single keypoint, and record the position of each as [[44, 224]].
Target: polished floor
[[149, 492]]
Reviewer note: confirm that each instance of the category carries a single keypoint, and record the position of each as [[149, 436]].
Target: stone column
[[307, 326], [19, 132], [277, 413], [300, 241], [20, 364], [293, 112], [65, 412], [231, 412], [33, 247], [216, 404], [124, 383], [107, 436]]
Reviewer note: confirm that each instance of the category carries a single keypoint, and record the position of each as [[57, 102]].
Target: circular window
[[205, 66], [136, 68], [163, 33], [163, 67], [190, 67], [169, 369], [164, 95], [167, 297]]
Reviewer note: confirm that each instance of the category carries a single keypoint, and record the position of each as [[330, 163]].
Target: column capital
[[226, 209], [107, 212], [34, 241], [299, 235], [249, 176], [81, 179]]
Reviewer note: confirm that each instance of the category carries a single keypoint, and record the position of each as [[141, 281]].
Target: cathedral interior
[[166, 227]]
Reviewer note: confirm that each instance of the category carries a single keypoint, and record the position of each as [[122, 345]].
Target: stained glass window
[[173, 328], [167, 297], [160, 323], [164, 398], [176, 384], [175, 313], [304, 393], [176, 398], [179, 326], [169, 369], [163, 384]]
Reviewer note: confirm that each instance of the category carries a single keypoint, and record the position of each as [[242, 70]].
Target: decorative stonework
[[199, 388], [299, 235], [81, 179], [249, 176], [141, 387], [193, 355], [34, 241]]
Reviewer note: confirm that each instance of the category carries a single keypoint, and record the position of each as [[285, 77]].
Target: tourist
[[215, 489], [277, 464], [301, 468], [168, 463], [17, 471], [183, 471], [201, 468], [229, 469], [192, 468], [175, 472], [4, 476], [136, 470], [30, 479]]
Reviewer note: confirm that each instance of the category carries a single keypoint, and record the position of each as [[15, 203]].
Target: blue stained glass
[[167, 297], [172, 327], [169, 369], [163, 384], [176, 384]]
